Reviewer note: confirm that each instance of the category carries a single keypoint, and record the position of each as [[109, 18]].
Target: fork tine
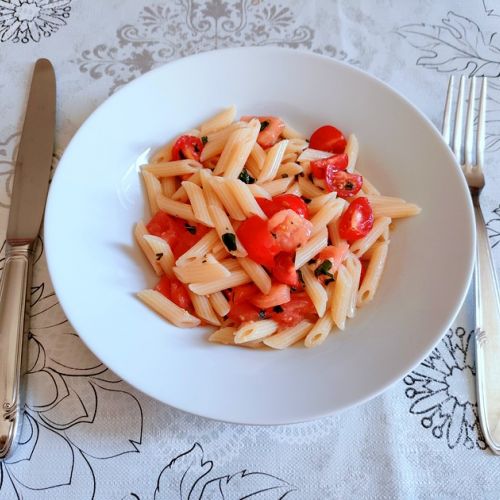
[[481, 123], [447, 111], [469, 125], [457, 134]]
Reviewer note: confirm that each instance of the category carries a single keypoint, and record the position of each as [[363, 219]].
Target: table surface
[[86, 433]]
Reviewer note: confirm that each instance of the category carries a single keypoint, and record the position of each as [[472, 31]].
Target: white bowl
[[96, 197]]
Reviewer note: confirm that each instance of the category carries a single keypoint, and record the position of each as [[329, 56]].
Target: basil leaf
[[159, 256], [324, 268], [190, 229], [264, 125], [246, 177], [229, 239], [277, 309], [204, 139], [262, 314]]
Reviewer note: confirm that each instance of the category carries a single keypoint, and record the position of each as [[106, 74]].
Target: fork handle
[[487, 336]]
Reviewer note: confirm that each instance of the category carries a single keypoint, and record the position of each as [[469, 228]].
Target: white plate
[[96, 197]]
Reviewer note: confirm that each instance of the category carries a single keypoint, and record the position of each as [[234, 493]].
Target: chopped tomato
[[283, 201], [332, 163], [357, 220], [291, 313], [344, 183], [245, 311], [270, 129], [244, 293], [178, 233], [289, 229], [187, 147], [328, 138], [284, 269], [279, 294], [256, 237], [174, 290]]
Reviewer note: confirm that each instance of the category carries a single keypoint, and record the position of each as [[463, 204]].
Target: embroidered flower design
[[442, 391], [30, 20]]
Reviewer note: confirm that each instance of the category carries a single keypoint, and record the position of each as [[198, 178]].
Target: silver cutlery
[[468, 146], [29, 194]]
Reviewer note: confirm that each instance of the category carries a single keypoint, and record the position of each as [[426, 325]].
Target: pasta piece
[[166, 308], [289, 169], [315, 290], [311, 248], [199, 249], [353, 266], [198, 203], [168, 186], [373, 274], [359, 247], [216, 141], [255, 330], [368, 187], [341, 297], [139, 232], [219, 121], [203, 308], [256, 160], [219, 250], [395, 208], [352, 151], [310, 154], [288, 336], [257, 273], [333, 230], [226, 336], [210, 196], [231, 264], [237, 150], [227, 198], [259, 191], [226, 231], [181, 194], [319, 201], [272, 162], [319, 331], [173, 168], [294, 189], [219, 303], [201, 271], [162, 252], [308, 189], [290, 133], [242, 194], [176, 208], [289, 158], [153, 189], [237, 278], [330, 211], [278, 186]]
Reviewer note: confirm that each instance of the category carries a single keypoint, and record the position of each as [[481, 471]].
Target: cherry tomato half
[[328, 138], [282, 202], [334, 163], [187, 147], [258, 241], [357, 220], [344, 183], [284, 269]]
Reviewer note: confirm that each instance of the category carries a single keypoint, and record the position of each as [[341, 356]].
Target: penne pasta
[[373, 274], [311, 248], [289, 132], [312, 154], [289, 169], [353, 266], [395, 208], [201, 270], [341, 297], [153, 190], [315, 290], [272, 162], [352, 151], [255, 330], [278, 186], [259, 191], [140, 231], [288, 336], [227, 198], [294, 189], [168, 186], [319, 201], [245, 198], [308, 189], [203, 309], [319, 331], [257, 273], [359, 247], [219, 303], [219, 121], [329, 212], [162, 252], [226, 232], [199, 249], [225, 335], [176, 208], [237, 278], [173, 168], [198, 203], [216, 142], [166, 308]]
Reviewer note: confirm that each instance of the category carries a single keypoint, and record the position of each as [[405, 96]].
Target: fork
[[487, 303]]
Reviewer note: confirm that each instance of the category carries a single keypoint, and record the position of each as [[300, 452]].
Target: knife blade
[[29, 194]]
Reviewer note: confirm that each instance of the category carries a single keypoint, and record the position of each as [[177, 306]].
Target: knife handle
[[15, 288], [487, 337]]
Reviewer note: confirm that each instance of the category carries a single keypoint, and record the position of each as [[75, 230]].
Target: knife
[[29, 193]]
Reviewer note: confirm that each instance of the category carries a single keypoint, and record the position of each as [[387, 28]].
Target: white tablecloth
[[89, 435]]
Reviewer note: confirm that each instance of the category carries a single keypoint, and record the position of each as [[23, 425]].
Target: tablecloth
[[87, 434]]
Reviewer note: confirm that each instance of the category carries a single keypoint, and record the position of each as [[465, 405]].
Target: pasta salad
[[264, 234]]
